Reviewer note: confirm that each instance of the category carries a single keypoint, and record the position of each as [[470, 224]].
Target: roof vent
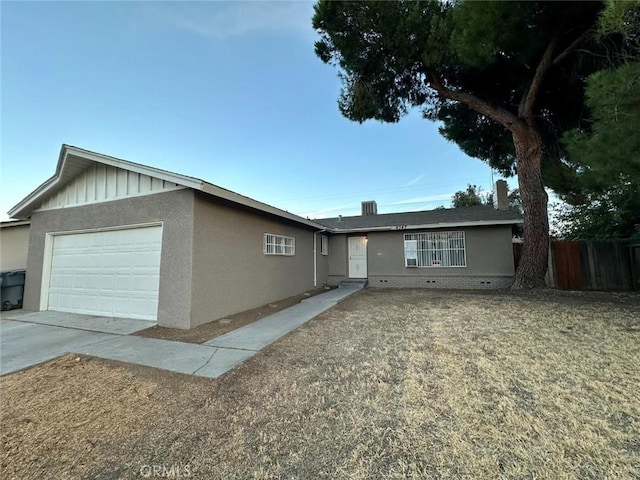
[[369, 208]]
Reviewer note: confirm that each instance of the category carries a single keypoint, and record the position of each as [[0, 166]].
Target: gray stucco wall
[[338, 259], [322, 265], [175, 211], [489, 252], [14, 241], [489, 261], [230, 271]]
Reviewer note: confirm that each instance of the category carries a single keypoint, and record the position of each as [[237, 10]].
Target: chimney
[[500, 200], [369, 208]]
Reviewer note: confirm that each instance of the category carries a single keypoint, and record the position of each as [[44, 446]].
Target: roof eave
[[479, 223], [166, 175], [20, 209], [237, 198], [14, 223], [24, 209]]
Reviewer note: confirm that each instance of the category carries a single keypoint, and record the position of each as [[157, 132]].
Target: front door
[[357, 257]]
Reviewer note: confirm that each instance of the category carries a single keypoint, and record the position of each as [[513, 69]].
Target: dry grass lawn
[[389, 384]]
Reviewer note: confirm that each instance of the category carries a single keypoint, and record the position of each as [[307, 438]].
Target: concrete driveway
[[32, 338], [27, 339]]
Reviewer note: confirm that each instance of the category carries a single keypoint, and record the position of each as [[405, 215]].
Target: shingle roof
[[448, 217]]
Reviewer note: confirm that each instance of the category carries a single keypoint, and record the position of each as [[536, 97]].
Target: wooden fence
[[586, 265]]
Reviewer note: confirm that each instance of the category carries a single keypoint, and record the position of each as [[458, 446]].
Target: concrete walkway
[[267, 330], [28, 339]]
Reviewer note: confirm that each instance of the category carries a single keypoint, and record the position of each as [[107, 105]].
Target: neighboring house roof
[[73, 160], [440, 218], [14, 223]]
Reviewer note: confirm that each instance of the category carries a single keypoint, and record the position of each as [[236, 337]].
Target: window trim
[[281, 245], [324, 244], [412, 253]]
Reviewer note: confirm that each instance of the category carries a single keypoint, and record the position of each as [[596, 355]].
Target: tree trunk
[[528, 144], [533, 263]]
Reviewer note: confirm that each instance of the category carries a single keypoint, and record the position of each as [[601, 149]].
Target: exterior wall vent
[[369, 208]]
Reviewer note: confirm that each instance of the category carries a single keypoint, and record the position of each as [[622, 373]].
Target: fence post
[[634, 261], [591, 256], [550, 277]]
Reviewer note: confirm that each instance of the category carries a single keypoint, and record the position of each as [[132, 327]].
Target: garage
[[114, 273]]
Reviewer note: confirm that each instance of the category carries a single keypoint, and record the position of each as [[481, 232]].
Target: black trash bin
[[11, 289]]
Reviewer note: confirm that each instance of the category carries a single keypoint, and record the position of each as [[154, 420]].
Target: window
[[435, 249], [278, 245], [324, 245]]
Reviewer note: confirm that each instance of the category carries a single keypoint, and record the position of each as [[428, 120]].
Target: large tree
[[609, 214], [505, 79], [606, 154], [474, 195], [469, 197], [605, 149]]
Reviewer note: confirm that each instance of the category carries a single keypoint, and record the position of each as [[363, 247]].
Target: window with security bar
[[279, 245], [435, 249]]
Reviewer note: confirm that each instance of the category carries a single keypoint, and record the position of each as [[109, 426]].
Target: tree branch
[[570, 48], [505, 118], [525, 109]]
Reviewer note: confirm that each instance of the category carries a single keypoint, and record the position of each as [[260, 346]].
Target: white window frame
[[274, 244], [410, 252], [324, 244], [435, 249]]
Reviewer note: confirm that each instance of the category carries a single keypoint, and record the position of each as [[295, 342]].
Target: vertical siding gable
[[102, 183]]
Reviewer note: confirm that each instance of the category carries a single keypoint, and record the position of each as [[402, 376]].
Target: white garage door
[[114, 273]]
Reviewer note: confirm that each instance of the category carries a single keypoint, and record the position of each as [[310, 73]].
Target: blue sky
[[230, 92]]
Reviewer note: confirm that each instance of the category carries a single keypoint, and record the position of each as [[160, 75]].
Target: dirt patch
[[388, 384], [219, 327]]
